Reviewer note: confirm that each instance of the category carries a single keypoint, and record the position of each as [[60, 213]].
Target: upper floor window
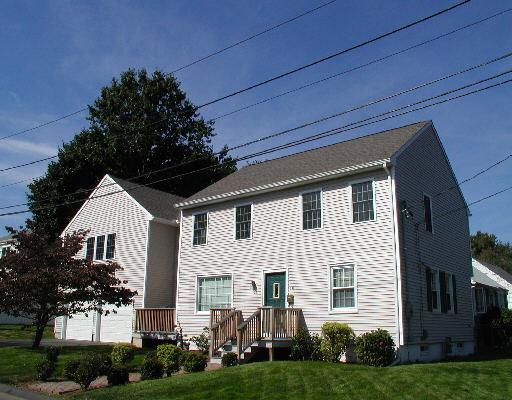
[[100, 247], [343, 287], [243, 222], [3, 252], [200, 228], [213, 292], [362, 201], [95, 248], [312, 210], [427, 207], [433, 289], [89, 250], [111, 246], [448, 283]]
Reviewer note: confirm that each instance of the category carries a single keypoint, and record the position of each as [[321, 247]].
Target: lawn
[[9, 332], [314, 380], [17, 364]]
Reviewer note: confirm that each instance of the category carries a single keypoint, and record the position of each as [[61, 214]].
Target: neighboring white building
[[138, 228], [372, 232], [491, 287]]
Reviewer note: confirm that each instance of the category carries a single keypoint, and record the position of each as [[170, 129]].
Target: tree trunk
[[39, 334]]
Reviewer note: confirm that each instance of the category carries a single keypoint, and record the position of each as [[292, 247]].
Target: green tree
[[42, 279], [486, 247], [140, 123]]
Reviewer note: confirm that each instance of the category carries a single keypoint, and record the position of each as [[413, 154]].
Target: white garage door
[[117, 327], [80, 327]]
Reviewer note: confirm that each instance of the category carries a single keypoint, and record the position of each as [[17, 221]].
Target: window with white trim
[[479, 300], [312, 210], [200, 228], [213, 292], [448, 278], [97, 249], [100, 247], [434, 276], [3, 252], [427, 208], [343, 293], [89, 249], [111, 246], [243, 221], [362, 201]]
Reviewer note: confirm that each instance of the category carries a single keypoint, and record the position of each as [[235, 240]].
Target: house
[[491, 287], [6, 243], [137, 227], [371, 231]]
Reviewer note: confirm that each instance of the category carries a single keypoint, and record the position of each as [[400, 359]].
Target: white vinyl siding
[[243, 225], [214, 292], [343, 292], [312, 210], [363, 201], [200, 229]]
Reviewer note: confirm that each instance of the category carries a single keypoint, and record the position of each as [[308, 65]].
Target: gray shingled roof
[[482, 279], [358, 151], [159, 204], [498, 271]]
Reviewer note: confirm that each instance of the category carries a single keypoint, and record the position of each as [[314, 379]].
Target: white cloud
[[25, 147]]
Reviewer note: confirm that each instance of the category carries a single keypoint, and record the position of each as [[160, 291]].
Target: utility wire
[[373, 102], [222, 50], [271, 150], [286, 73], [26, 164], [361, 66], [17, 183]]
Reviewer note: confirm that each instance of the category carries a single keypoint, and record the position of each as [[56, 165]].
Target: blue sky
[[57, 55]]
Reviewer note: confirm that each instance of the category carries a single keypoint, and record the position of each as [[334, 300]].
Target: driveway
[[50, 342], [11, 393]]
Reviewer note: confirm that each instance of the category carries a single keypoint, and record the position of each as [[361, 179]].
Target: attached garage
[[81, 327]]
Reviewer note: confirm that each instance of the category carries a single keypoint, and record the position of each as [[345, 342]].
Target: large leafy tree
[[486, 247], [42, 279], [140, 123]]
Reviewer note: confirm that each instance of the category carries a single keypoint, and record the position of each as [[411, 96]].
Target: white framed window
[[3, 251], [363, 201], [312, 210], [243, 222], [214, 292], [110, 250], [97, 249], [427, 209], [448, 278], [343, 287], [89, 248], [435, 292], [200, 229], [100, 248]]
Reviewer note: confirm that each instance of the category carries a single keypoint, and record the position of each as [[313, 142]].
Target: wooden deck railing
[[155, 320], [216, 314], [224, 329], [279, 323], [248, 332]]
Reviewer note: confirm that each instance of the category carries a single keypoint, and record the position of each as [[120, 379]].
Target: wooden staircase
[[267, 327]]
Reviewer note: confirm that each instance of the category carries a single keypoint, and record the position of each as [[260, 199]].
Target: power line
[[222, 50], [18, 182], [361, 66], [26, 164], [334, 55], [310, 123], [271, 150]]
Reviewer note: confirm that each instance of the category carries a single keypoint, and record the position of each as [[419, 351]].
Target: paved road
[[51, 342], [12, 393]]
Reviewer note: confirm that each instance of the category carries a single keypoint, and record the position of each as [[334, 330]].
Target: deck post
[[271, 353]]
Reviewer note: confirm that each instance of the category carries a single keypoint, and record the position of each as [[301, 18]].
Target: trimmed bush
[[170, 356], [193, 362], [118, 375], [152, 367], [104, 363], [229, 360], [306, 346], [45, 369], [336, 339], [375, 348], [122, 353], [70, 369], [87, 371], [52, 353]]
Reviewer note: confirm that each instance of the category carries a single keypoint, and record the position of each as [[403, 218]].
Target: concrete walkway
[[50, 342], [12, 393]]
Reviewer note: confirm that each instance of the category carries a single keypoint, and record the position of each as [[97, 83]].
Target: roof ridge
[[137, 185]]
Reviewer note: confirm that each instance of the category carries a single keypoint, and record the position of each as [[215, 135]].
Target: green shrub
[[306, 346], [201, 341], [229, 360], [169, 355], [336, 339], [104, 363], [152, 367], [122, 353], [375, 348], [52, 353], [70, 369], [118, 375], [193, 362], [45, 369], [87, 371]]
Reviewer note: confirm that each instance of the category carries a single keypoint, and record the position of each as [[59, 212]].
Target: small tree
[[43, 279]]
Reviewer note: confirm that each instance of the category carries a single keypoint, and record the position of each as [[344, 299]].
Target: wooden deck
[[155, 320]]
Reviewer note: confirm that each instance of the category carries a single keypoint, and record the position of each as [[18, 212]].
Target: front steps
[[260, 345]]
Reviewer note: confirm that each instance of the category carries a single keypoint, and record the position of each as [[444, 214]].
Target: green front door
[[275, 288]]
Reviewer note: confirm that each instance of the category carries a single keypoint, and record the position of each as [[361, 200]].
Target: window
[[200, 228], [214, 292], [100, 247], [312, 210], [111, 246], [449, 292], [427, 207], [479, 300], [3, 252], [275, 290], [89, 250], [243, 222], [434, 291], [362, 201], [343, 287]]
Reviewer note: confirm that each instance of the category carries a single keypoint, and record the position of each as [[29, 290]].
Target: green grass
[[314, 380], [10, 332], [18, 364]]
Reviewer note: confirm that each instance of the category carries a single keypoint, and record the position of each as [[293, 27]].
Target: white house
[[491, 287], [138, 228], [371, 231]]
